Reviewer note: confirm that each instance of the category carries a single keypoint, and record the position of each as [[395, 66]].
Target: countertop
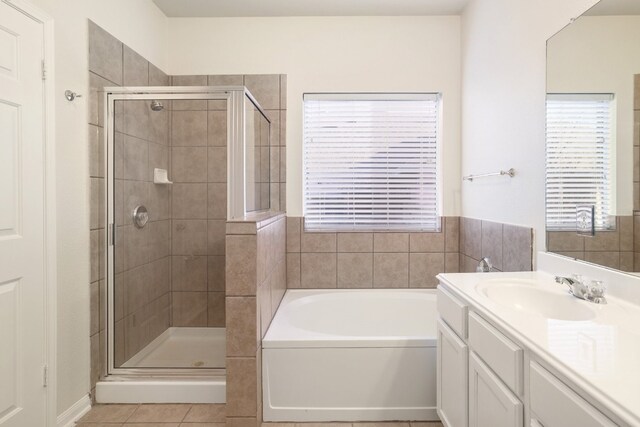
[[600, 355]]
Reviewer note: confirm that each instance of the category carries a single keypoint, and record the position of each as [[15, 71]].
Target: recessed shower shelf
[[160, 176]]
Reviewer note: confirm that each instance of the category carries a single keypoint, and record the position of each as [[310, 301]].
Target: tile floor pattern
[[197, 415]]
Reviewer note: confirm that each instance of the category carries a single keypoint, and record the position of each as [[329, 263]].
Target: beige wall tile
[[607, 259], [96, 98], [626, 261], [423, 269], [517, 249], [265, 88], [242, 422], [452, 234], [216, 273], [159, 239], [189, 128], [158, 158], [157, 77], [159, 206], [136, 159], [602, 241], [391, 242], [355, 270], [274, 128], [355, 242], [564, 241], [96, 152], [105, 54], [189, 237], [452, 262], [217, 164], [492, 243], [471, 237], [241, 387], [217, 124], [391, 270], [135, 69], [241, 278], [216, 309], [189, 308], [216, 230], [189, 164], [189, 201], [467, 264], [625, 227], [241, 326], [318, 270], [136, 119], [427, 242], [318, 242], [293, 270], [189, 273], [136, 246]]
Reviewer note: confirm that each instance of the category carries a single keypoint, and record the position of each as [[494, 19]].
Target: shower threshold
[[175, 350]]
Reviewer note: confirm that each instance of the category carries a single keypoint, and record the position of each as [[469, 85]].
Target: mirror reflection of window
[[579, 137]]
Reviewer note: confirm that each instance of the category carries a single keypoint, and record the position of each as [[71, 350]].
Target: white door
[[22, 217], [491, 403]]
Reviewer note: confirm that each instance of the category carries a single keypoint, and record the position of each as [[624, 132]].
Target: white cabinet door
[[491, 403], [553, 404], [22, 262], [453, 356]]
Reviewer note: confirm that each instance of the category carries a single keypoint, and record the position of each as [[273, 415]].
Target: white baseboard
[[69, 417]]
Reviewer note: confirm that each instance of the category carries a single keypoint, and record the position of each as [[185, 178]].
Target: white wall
[[143, 28], [600, 54], [503, 114], [328, 54]]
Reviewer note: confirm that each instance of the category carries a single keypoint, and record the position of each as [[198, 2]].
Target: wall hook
[[71, 95]]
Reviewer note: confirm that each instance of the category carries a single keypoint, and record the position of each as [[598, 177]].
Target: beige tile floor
[[186, 415]]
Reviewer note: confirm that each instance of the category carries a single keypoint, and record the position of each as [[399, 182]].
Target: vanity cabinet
[[481, 377]]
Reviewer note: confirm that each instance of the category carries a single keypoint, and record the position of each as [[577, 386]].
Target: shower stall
[[180, 162]]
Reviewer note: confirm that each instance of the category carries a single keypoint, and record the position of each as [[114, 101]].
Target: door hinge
[[44, 71], [45, 376]]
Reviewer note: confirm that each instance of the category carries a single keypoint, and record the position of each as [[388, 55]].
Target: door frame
[[50, 252]]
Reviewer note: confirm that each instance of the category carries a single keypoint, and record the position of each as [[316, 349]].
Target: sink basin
[[526, 297]]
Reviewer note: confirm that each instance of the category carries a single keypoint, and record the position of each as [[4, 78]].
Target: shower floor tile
[[183, 348]]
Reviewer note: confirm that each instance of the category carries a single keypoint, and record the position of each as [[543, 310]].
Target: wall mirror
[[592, 136]]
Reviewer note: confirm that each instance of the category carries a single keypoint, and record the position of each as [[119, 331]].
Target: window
[[371, 161], [579, 145]]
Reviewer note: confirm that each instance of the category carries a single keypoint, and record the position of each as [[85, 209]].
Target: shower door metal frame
[[234, 95]]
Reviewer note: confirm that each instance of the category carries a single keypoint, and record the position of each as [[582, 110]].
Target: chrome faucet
[[484, 266], [577, 288]]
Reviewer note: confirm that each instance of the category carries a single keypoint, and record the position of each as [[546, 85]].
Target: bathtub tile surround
[[613, 248], [509, 247], [143, 265], [256, 283], [369, 259]]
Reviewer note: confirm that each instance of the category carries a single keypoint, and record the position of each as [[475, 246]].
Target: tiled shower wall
[[256, 283], [199, 193], [509, 247], [143, 255], [370, 260], [614, 249]]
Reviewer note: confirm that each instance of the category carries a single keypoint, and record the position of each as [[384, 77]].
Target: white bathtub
[[351, 355]]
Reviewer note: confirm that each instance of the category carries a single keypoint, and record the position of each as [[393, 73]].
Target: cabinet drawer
[[553, 404], [502, 355], [452, 311]]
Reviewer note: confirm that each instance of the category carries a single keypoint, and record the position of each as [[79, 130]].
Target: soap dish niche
[[160, 176]]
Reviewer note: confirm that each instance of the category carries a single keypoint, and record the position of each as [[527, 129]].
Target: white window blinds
[[371, 161], [579, 139]]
